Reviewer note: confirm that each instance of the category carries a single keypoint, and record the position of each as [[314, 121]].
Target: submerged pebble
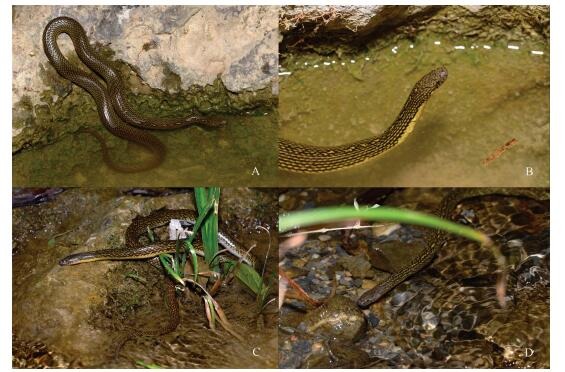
[[339, 318]]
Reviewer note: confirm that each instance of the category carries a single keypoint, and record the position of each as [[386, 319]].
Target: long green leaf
[[164, 258], [333, 214], [247, 275], [207, 200], [194, 259]]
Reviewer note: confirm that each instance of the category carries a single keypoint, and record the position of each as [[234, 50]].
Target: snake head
[[216, 121], [426, 86], [206, 121], [76, 258], [433, 79]]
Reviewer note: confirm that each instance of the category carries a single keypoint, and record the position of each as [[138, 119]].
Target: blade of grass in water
[[333, 214]]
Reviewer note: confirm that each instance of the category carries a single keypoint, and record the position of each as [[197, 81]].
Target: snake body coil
[[435, 239], [139, 226], [113, 109], [136, 251], [301, 158]]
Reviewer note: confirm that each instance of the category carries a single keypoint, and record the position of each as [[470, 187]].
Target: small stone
[[324, 237], [339, 317], [317, 346], [358, 266], [373, 320], [302, 347], [299, 262], [368, 284], [515, 243], [429, 320], [401, 298], [385, 229]]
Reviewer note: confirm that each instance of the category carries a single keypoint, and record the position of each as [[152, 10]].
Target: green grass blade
[[247, 275], [209, 198], [199, 221], [148, 365], [164, 258], [333, 214], [194, 259]]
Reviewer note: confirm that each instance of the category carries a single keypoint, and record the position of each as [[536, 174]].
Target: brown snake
[[114, 111], [134, 250], [302, 158], [435, 239]]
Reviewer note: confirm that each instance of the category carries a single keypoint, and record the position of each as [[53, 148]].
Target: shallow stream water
[[445, 316], [224, 156], [496, 92]]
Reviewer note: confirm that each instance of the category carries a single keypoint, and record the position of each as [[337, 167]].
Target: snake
[[134, 250], [113, 108], [435, 238], [302, 158], [447, 315]]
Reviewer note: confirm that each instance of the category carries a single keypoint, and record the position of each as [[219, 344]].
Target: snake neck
[[301, 158]]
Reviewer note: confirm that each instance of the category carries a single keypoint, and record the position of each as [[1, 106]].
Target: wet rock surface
[[79, 313], [326, 337], [319, 27], [446, 315], [339, 317], [173, 59]]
